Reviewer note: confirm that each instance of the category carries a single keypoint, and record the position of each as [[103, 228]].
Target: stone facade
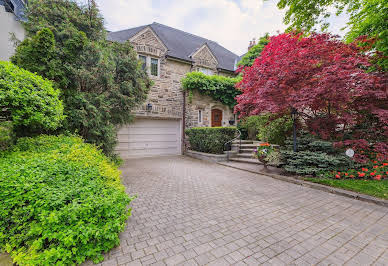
[[205, 104], [204, 58], [165, 99]]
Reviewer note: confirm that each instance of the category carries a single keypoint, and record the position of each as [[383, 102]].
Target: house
[[168, 54], [11, 15]]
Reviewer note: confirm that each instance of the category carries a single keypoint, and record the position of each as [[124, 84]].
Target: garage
[[149, 137]]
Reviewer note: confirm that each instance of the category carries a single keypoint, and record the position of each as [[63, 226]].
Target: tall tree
[[367, 17], [101, 82], [324, 79], [254, 52]]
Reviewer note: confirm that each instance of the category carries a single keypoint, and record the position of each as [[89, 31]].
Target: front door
[[216, 118]]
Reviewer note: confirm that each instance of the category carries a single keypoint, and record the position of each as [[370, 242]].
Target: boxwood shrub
[[210, 139], [28, 100], [62, 201]]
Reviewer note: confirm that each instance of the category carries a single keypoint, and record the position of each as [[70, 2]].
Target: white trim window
[[200, 117]]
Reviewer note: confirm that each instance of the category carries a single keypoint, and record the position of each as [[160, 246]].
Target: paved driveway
[[194, 213]]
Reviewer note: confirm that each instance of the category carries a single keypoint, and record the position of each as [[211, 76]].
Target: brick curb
[[337, 191]]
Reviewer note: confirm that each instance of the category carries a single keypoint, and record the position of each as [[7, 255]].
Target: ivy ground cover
[[62, 202]]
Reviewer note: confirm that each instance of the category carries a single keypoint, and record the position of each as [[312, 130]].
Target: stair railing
[[231, 141]]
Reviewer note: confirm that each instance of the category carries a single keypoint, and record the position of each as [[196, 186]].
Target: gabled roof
[[181, 44]]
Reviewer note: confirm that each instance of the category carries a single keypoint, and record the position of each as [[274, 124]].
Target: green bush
[[6, 135], [262, 127], [276, 131], [210, 139], [62, 202], [313, 156], [28, 100]]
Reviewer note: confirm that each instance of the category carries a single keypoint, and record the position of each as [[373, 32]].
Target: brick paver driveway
[[194, 213]]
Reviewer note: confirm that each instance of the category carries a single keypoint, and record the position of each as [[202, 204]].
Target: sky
[[231, 23]]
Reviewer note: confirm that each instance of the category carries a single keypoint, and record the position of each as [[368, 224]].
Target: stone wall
[[205, 104], [166, 96]]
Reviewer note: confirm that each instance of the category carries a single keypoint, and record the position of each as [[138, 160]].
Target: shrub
[[313, 156], [210, 139], [6, 135], [28, 100], [62, 202], [253, 124], [262, 127], [276, 131]]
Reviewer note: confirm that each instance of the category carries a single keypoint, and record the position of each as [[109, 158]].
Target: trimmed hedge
[[28, 100], [210, 139], [62, 202]]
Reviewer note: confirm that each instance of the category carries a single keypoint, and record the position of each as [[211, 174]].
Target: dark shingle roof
[[181, 44]]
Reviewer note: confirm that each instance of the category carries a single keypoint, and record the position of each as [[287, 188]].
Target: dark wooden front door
[[216, 118]]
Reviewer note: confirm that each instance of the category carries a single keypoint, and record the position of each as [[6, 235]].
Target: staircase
[[244, 151]]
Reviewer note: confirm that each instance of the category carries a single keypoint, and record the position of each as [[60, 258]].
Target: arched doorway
[[216, 118]]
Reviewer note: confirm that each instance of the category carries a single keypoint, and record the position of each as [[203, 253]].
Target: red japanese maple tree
[[327, 81]]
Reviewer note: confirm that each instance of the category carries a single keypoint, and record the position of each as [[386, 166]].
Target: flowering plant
[[263, 151], [376, 170]]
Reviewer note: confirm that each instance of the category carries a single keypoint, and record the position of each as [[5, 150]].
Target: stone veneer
[[205, 104], [166, 95]]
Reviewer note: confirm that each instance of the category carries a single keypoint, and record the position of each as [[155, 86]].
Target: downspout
[[183, 122]]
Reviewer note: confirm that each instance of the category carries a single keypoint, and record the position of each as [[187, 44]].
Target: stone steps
[[243, 155], [245, 160]]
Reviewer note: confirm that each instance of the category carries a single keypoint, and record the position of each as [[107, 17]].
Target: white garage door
[[149, 137]]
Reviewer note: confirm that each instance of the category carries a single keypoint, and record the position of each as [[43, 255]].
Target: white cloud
[[231, 23]]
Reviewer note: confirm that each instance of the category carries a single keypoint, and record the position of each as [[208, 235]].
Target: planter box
[[207, 156]]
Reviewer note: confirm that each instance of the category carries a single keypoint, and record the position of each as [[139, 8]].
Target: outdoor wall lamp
[[149, 107]]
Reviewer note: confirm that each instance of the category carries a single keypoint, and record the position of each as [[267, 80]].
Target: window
[[206, 71], [199, 116], [154, 66], [143, 60]]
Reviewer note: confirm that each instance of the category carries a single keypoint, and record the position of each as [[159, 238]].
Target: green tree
[[367, 17], [101, 82], [254, 52]]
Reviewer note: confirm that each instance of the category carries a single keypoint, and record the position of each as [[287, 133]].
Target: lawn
[[374, 188]]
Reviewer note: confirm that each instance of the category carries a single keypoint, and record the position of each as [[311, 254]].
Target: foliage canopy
[[101, 82], [254, 52], [324, 79], [367, 17]]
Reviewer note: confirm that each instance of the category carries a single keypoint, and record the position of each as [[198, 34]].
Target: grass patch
[[373, 188]]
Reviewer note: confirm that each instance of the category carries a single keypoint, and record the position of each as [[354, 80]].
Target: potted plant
[[263, 151]]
